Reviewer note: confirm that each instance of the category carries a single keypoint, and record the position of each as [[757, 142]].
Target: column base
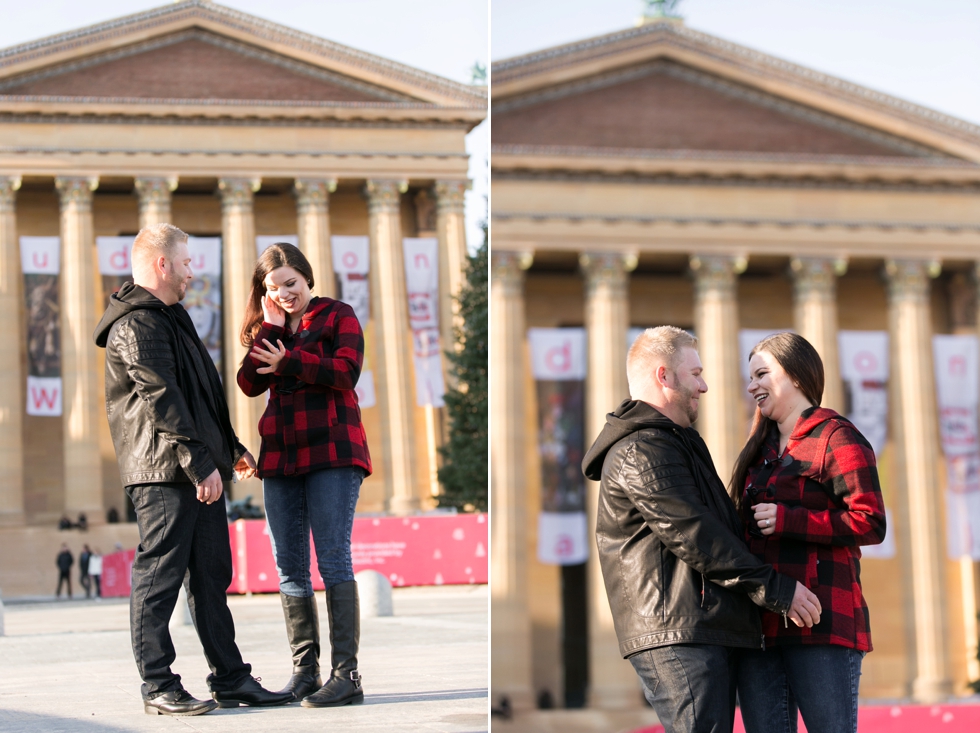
[[401, 505], [520, 699], [12, 519], [930, 691], [616, 698], [576, 721]]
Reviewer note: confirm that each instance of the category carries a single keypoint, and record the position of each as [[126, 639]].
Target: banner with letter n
[[40, 259], [351, 266], [559, 367], [203, 298], [422, 287], [115, 266], [957, 374]]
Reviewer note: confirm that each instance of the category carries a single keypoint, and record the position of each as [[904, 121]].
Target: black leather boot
[[344, 685], [303, 632]]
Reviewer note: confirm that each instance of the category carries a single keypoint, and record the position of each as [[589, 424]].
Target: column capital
[[816, 275], [606, 269], [909, 279], [714, 273], [313, 194], [238, 192], [76, 190], [9, 185], [384, 195], [451, 196], [507, 270], [154, 189]]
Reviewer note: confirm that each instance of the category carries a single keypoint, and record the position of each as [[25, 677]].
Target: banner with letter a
[[40, 259], [351, 265], [422, 286], [203, 298], [559, 367], [957, 372], [114, 264]]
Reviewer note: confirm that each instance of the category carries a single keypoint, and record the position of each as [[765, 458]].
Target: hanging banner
[[422, 287], [559, 366], [957, 372], [114, 264], [263, 241], [203, 298], [350, 265], [40, 263]]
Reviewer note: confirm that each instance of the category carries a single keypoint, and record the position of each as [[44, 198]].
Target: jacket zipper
[[785, 621]]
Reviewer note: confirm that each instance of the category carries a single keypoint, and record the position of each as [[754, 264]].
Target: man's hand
[[805, 609], [245, 468], [209, 490]]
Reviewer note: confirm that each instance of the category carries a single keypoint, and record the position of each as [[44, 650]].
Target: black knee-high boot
[[303, 632], [344, 685]]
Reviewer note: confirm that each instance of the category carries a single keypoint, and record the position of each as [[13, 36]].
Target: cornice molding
[[13, 150], [661, 38], [263, 33]]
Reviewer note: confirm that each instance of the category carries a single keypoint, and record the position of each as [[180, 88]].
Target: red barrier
[[435, 550]]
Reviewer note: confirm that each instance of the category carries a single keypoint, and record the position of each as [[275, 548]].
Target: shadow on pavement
[[476, 692], [13, 721]]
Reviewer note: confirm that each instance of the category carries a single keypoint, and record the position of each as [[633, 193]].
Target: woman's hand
[[245, 468], [765, 518], [271, 312], [271, 356]]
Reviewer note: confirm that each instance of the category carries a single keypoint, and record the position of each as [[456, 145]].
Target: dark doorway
[[575, 634]]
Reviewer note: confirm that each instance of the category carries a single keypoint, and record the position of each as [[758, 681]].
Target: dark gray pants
[[180, 535], [691, 686]]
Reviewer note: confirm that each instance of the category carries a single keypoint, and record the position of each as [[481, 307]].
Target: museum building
[[238, 131], [660, 175]]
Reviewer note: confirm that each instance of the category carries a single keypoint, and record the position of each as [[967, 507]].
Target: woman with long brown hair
[[806, 486], [307, 352]]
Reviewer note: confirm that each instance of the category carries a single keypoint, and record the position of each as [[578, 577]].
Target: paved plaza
[[68, 666]]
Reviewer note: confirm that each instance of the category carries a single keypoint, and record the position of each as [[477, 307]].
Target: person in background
[[64, 561], [83, 570], [95, 570], [307, 353]]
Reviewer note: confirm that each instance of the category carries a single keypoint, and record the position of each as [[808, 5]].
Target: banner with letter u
[[40, 259], [559, 367], [351, 266], [957, 372]]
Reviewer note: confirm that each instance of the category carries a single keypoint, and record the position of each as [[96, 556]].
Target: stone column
[[451, 226], [815, 317], [313, 226], [917, 438], [154, 196], [722, 418], [238, 261], [612, 681], [510, 652], [392, 339], [12, 380], [81, 380]]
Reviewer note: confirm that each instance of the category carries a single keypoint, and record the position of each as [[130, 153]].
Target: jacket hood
[[811, 418], [628, 418], [129, 298]]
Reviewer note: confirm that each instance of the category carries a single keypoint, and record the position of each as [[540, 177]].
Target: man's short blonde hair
[[655, 347], [154, 241]]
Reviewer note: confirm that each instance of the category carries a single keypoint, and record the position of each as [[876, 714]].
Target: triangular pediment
[[667, 87], [663, 105], [196, 64], [197, 49]]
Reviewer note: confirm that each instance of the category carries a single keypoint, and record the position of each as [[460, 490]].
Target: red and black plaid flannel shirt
[[312, 420], [825, 487]]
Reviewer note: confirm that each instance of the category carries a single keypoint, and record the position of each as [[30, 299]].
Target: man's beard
[[177, 285], [686, 395]]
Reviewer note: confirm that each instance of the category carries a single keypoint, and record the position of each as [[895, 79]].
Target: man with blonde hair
[[680, 580], [176, 448]]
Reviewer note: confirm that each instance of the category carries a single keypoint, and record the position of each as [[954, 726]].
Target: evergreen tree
[[464, 474]]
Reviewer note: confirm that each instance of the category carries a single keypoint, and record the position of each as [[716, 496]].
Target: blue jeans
[[819, 681], [321, 501], [691, 686]]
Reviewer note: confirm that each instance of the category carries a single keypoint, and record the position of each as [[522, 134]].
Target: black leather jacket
[[166, 407], [675, 567]]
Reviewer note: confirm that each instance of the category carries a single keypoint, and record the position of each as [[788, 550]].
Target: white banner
[[351, 260], [205, 255], [957, 371], [864, 371], [203, 298], [40, 255], [557, 353], [114, 253], [264, 241], [562, 538], [44, 396], [422, 287]]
